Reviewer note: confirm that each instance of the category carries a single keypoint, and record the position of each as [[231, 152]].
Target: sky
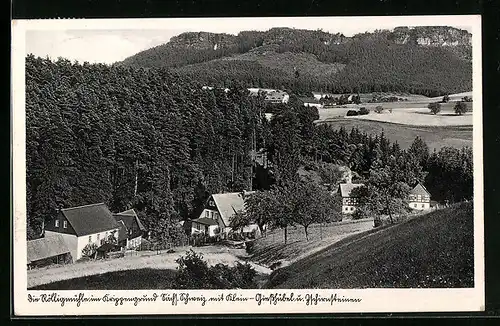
[[114, 40]]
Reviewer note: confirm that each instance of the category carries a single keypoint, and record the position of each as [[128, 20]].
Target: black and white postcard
[[247, 165]]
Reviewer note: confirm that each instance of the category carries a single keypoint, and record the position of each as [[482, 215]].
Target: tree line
[[374, 62]]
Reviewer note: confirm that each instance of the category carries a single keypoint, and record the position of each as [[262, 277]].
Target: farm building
[[277, 97], [419, 198], [217, 213], [348, 201], [83, 225], [311, 101], [46, 251], [131, 229]]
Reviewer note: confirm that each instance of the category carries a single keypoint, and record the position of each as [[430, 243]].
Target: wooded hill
[[430, 61]]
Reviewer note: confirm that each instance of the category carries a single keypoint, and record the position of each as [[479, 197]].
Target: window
[[423, 206], [352, 208], [212, 215], [206, 214], [65, 224], [57, 223], [347, 208], [90, 238], [98, 237], [415, 205]]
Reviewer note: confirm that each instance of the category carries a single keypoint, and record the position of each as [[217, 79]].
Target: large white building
[[83, 225]]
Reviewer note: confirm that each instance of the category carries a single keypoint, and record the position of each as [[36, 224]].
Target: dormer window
[[57, 223], [65, 224]]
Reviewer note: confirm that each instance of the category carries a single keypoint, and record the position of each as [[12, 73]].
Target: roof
[[46, 247], [206, 221], [90, 219], [130, 218], [346, 188], [229, 203], [420, 190]]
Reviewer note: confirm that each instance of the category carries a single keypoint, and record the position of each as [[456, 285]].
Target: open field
[[419, 117], [435, 137], [271, 248], [409, 113], [435, 250], [212, 254]]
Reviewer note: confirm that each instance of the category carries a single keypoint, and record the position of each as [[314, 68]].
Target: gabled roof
[[346, 188], [130, 219], [229, 203], [420, 190], [46, 247], [205, 221], [90, 219]]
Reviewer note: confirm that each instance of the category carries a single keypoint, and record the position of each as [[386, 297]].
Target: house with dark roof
[[349, 201], [217, 213], [311, 101], [131, 229], [419, 198], [83, 225], [46, 251]]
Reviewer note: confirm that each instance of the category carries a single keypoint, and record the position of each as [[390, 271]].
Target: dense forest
[[404, 60], [138, 138], [155, 141]]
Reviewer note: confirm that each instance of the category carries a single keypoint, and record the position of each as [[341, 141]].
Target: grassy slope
[[433, 250], [271, 248]]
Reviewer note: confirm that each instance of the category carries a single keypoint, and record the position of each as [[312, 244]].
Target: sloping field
[[272, 248], [435, 137], [430, 251]]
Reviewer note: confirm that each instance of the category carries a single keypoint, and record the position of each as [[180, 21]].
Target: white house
[[311, 102], [349, 202], [419, 198], [82, 225], [217, 213]]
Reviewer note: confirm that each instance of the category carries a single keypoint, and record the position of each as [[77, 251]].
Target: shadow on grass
[[138, 279]]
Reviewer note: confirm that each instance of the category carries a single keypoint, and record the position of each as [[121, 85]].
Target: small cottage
[[419, 198], [46, 251], [217, 213], [349, 202], [83, 225], [131, 229]]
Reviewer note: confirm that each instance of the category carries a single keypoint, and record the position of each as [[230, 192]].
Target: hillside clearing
[[419, 117], [271, 248], [431, 251]]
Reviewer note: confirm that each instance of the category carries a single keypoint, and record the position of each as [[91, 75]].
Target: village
[[93, 231]]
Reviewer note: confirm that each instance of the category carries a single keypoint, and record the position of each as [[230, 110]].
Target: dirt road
[[212, 254]]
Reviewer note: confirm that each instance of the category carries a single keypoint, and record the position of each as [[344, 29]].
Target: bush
[[446, 98], [460, 108], [363, 111], [434, 107], [89, 250], [351, 113], [467, 99], [194, 273], [379, 109], [361, 212]]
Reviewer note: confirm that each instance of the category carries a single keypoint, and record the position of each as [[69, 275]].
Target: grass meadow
[[435, 250]]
